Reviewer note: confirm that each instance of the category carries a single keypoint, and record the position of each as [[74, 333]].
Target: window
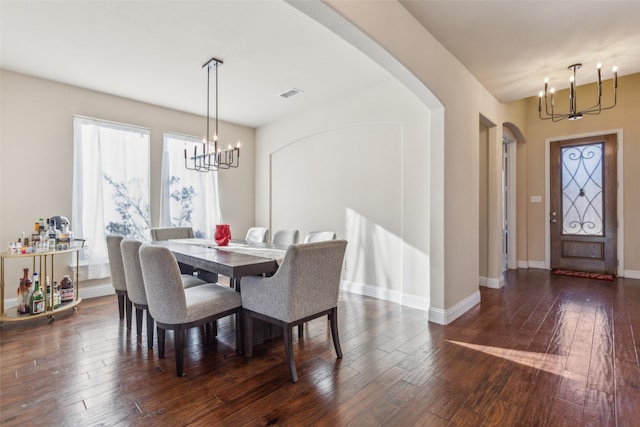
[[110, 187], [189, 198]]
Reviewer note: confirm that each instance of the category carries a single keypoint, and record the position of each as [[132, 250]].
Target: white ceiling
[[511, 46], [153, 51]]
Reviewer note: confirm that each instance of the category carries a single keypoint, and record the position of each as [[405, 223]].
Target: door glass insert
[[582, 189]]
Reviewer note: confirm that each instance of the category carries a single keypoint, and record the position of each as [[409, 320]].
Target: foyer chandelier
[[208, 156], [574, 114]]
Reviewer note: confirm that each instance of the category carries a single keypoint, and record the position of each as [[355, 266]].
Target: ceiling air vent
[[290, 93]]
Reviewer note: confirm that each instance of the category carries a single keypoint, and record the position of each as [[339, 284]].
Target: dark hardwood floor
[[543, 351]]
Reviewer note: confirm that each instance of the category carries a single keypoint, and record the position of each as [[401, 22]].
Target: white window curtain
[[189, 198], [110, 188]]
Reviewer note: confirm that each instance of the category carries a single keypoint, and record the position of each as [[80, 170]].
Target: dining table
[[238, 259]]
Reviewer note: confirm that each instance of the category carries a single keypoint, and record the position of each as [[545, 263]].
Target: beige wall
[[36, 154], [357, 166], [531, 165], [454, 161]]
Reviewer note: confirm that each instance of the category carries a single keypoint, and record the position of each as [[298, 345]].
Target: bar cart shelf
[[43, 260]]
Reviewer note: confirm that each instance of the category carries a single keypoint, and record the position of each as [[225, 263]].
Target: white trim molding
[[444, 317], [632, 274], [398, 297], [523, 264], [96, 291], [542, 265], [492, 282]]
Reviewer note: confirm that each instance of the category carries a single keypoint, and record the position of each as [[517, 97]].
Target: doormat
[[600, 276]]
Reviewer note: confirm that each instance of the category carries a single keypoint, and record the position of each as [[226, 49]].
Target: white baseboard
[[495, 282], [444, 317], [96, 291], [532, 264], [407, 300], [85, 293], [537, 264], [632, 274], [492, 282]]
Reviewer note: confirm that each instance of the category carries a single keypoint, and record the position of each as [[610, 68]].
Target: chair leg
[[333, 318], [179, 347], [248, 333], [239, 332], [288, 349], [150, 324], [128, 310], [160, 332], [121, 305], [139, 321]]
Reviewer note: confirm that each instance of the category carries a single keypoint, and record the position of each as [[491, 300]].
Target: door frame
[[620, 193], [512, 238]]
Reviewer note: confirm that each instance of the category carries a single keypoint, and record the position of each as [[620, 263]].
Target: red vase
[[222, 235]]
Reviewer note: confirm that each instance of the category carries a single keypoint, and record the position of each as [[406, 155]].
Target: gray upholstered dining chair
[[135, 285], [285, 237], [319, 236], [168, 233], [176, 308], [257, 234], [118, 279], [305, 286]]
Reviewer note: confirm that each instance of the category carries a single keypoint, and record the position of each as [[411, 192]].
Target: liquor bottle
[[22, 289], [48, 302], [36, 302], [66, 289], [23, 297], [57, 298]]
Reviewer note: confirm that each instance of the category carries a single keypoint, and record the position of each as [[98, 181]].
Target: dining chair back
[[176, 308], [285, 237], [118, 280], [135, 286], [257, 234], [168, 233], [319, 236], [304, 287]]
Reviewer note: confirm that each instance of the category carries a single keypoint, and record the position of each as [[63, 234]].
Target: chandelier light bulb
[[599, 65], [614, 69]]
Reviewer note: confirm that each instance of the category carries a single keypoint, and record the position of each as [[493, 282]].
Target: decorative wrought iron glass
[[582, 193]]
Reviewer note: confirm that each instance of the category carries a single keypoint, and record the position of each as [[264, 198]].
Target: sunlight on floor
[[551, 363]]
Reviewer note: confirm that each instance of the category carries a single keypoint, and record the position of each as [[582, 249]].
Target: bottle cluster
[[33, 298], [46, 237]]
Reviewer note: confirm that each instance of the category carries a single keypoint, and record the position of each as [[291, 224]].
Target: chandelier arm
[[215, 142], [208, 120]]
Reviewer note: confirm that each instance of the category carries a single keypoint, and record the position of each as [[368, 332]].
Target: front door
[[583, 204]]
